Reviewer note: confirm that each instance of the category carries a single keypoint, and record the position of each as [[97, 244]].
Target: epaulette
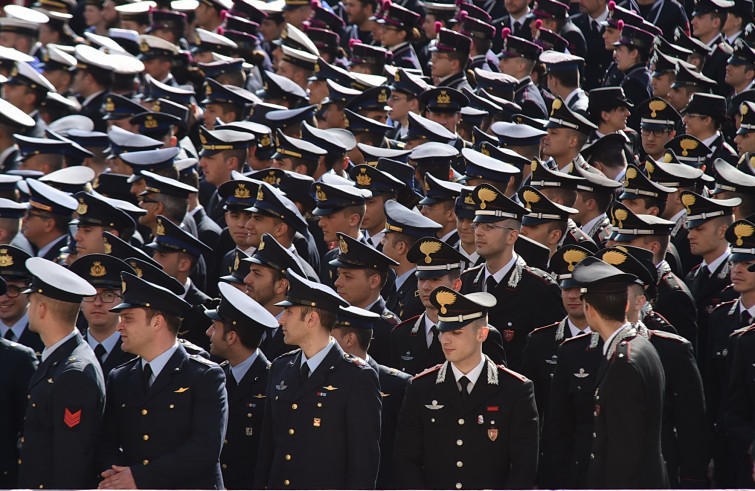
[[670, 335], [543, 328], [190, 347], [428, 371], [622, 350], [355, 360], [203, 360], [395, 372], [407, 321], [724, 304], [290, 353], [742, 330], [390, 318], [582, 337], [512, 373], [676, 284]]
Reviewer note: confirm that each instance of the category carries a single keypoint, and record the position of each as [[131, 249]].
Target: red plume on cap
[[220, 30], [538, 23], [305, 25], [463, 15], [386, 4], [314, 3], [151, 9], [354, 41], [224, 14], [611, 5], [620, 24], [438, 26], [505, 32], [460, 3]]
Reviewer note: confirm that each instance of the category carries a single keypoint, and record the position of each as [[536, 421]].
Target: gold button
[[319, 404], [459, 464], [172, 406], [123, 405], [294, 406], [224, 466], [28, 396], [458, 485], [23, 439], [20, 462], [33, 404], [286, 482], [290, 431], [225, 441], [461, 421], [144, 412], [248, 415], [145, 462], [459, 443], [145, 437], [41, 486], [287, 457]]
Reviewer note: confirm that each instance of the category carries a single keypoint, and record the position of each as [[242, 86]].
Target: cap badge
[[445, 298], [144, 47], [556, 106], [485, 195], [150, 122], [343, 246], [123, 286], [630, 174], [97, 270], [743, 109], [363, 179], [533, 165], [428, 248], [668, 158], [383, 96], [530, 197], [317, 68], [688, 144], [396, 76], [242, 192], [108, 247], [262, 244], [82, 208], [160, 228], [156, 106], [208, 90], [260, 194], [468, 200], [5, 259], [236, 262], [615, 258], [109, 105], [485, 151], [572, 257], [742, 230], [443, 97], [656, 106], [620, 215], [270, 178], [265, 141], [202, 138], [649, 167], [320, 194], [688, 200]]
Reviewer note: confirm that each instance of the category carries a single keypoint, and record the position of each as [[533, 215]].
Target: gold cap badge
[[97, 270]]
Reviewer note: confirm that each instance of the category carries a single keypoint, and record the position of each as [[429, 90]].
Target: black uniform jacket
[[171, 433], [489, 441]]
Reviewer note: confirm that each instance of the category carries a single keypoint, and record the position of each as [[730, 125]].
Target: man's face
[[426, 286], [318, 90], [169, 262], [89, 240], [591, 7], [60, 79], [211, 113], [218, 343], [705, 238], [157, 68], [97, 312], [260, 285], [742, 281], [654, 140], [215, 168], [737, 75], [390, 246], [448, 120], [297, 16], [441, 65], [572, 301], [556, 142], [270, 30], [204, 14], [463, 344], [466, 232], [355, 12], [13, 303], [428, 26], [490, 238], [148, 202], [34, 226], [287, 70], [380, 116], [353, 286], [294, 326], [703, 26], [15, 94], [439, 212], [539, 233], [257, 226], [236, 222], [639, 207], [516, 7], [374, 215], [335, 222], [334, 116], [625, 57], [136, 333], [745, 142], [679, 97], [662, 84]]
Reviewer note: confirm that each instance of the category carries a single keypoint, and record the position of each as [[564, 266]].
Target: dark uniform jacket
[[675, 303], [527, 298], [679, 239], [392, 389], [380, 346], [528, 96], [54, 252], [721, 150], [489, 440], [32, 340], [322, 432], [93, 111], [522, 30], [195, 323], [410, 353], [405, 57], [63, 419], [17, 364], [405, 302], [636, 84], [171, 432], [567, 432], [626, 450], [579, 102], [274, 346], [598, 57], [115, 358], [246, 408], [739, 410], [457, 81], [613, 76], [577, 43], [709, 290]]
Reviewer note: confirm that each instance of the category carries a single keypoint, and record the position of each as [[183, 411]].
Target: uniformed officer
[[506, 275], [353, 331], [450, 55], [14, 321], [451, 432], [45, 224], [67, 392], [658, 123], [546, 221], [103, 272], [167, 410], [237, 327], [626, 448], [96, 216], [568, 130], [322, 411], [518, 59]]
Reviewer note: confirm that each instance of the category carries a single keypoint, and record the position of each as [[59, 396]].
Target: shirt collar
[[109, 342], [521, 19], [587, 227], [709, 141], [713, 266], [607, 344], [18, 327], [603, 16], [315, 361], [571, 95], [44, 250], [239, 371], [575, 331], [48, 351], [160, 360], [473, 375], [498, 275], [401, 279], [92, 97]]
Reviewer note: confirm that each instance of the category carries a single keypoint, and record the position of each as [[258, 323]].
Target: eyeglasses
[[655, 133], [14, 291], [105, 297], [487, 227]]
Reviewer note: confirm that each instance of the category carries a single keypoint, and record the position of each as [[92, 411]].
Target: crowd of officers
[[325, 245]]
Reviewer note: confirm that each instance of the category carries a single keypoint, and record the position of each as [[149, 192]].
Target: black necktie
[[464, 382], [595, 27], [305, 372], [9, 335], [490, 284], [147, 375], [517, 27], [704, 273], [436, 352], [100, 352], [744, 319]]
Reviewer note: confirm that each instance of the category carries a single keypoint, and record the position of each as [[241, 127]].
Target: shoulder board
[[512, 373], [741, 331], [673, 281], [724, 305], [622, 350], [410, 320], [390, 317], [473, 270], [544, 328], [126, 364], [428, 371], [669, 335], [582, 338], [203, 360], [396, 372], [225, 363], [540, 274], [290, 353], [355, 360]]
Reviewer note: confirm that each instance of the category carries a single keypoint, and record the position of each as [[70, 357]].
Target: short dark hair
[[610, 156], [603, 200], [364, 336], [610, 306], [250, 337], [569, 78], [327, 318], [173, 321]]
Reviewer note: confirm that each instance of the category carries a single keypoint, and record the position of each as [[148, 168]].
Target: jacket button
[[294, 406], [459, 443], [224, 466], [592, 456], [460, 464], [594, 435], [319, 404], [248, 415], [145, 437], [145, 461], [33, 404], [458, 485], [144, 412], [461, 421], [287, 457], [20, 462], [225, 441], [286, 482], [172, 406], [291, 431]]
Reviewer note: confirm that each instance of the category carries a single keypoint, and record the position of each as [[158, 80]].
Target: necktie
[[100, 352], [9, 335], [230, 382], [595, 27], [744, 319], [436, 352], [704, 273], [305, 372], [517, 27], [464, 382], [490, 284], [147, 375]]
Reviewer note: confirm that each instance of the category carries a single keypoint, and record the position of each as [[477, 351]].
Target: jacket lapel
[[168, 372], [60, 354], [259, 366], [317, 378]]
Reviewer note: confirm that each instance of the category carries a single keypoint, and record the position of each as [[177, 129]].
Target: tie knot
[[100, 352], [305, 371], [434, 330], [464, 383], [9, 335]]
